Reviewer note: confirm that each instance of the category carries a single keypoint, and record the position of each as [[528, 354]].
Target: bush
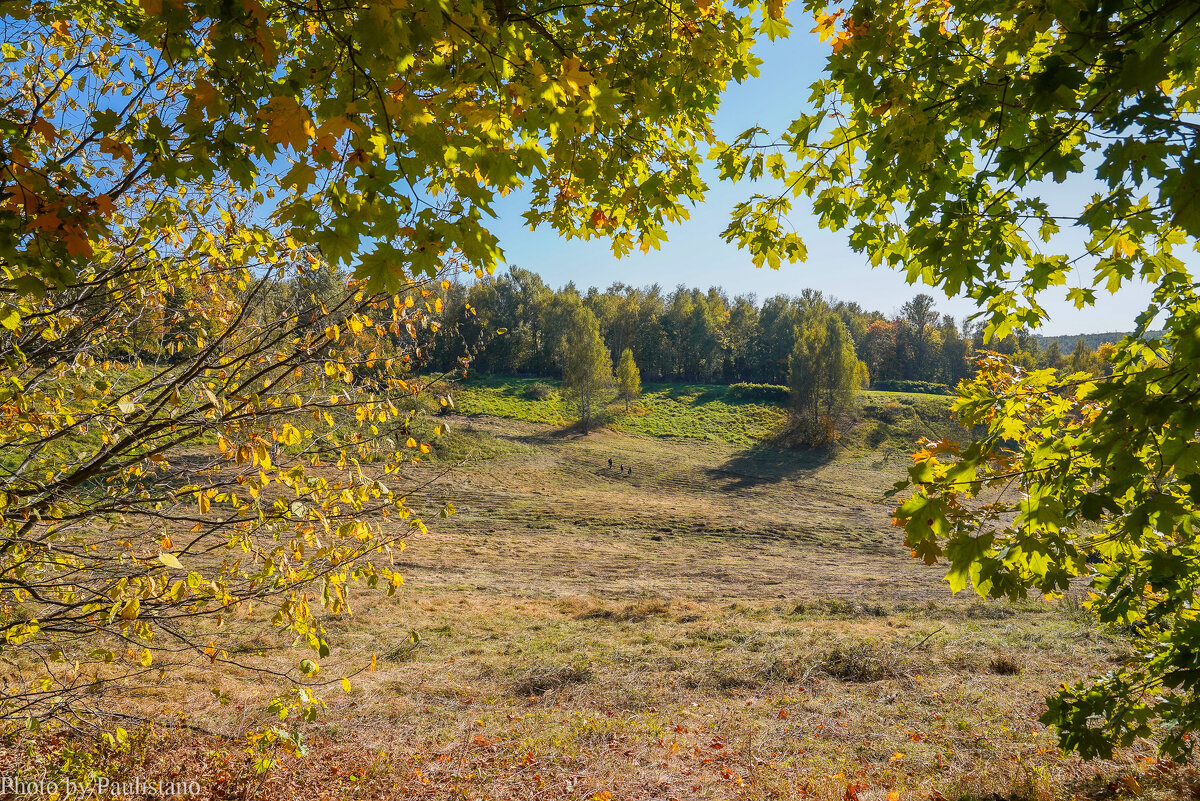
[[761, 393], [539, 391], [891, 412], [924, 387]]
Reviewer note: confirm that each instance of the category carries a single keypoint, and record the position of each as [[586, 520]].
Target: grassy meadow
[[707, 412], [730, 620]]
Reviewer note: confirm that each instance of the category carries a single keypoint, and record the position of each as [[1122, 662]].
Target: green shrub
[[923, 387], [539, 391], [760, 393]]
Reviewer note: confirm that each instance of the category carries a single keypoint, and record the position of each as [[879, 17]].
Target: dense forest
[[688, 334]]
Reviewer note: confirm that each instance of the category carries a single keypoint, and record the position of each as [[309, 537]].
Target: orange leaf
[[287, 123], [43, 127], [104, 204], [76, 241], [46, 222], [116, 149]]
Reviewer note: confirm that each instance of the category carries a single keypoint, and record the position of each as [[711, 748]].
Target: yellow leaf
[[288, 123], [146, 659], [573, 74], [290, 436], [131, 609], [346, 684], [170, 560], [410, 443]]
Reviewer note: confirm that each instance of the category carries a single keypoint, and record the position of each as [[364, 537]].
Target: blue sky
[[695, 255]]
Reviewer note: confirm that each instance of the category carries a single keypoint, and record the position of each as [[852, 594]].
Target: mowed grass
[[720, 623], [705, 412]]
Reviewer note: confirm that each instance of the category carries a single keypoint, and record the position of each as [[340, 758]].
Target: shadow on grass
[[687, 394], [559, 433], [767, 463]]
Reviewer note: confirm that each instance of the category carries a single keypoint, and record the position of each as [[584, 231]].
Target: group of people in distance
[[621, 469]]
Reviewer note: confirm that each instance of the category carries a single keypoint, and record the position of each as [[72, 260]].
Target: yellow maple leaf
[[825, 26], [287, 123], [574, 75]]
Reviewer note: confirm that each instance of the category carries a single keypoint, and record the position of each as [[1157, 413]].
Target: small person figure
[[610, 463], [631, 470], [621, 468]]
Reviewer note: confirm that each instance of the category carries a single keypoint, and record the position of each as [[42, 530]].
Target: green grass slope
[[890, 420]]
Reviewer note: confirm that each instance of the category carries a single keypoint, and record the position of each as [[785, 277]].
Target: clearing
[[724, 622]]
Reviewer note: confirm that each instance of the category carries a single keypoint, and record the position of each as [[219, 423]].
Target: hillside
[[889, 420]]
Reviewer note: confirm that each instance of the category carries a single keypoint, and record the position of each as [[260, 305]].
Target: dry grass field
[[721, 623]]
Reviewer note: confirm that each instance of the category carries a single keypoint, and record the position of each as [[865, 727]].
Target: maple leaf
[[116, 149], [203, 94], [287, 123], [328, 134], [44, 129], [103, 204], [76, 240], [825, 25], [573, 74], [48, 221]]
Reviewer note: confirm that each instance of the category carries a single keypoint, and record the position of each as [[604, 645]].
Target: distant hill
[[1067, 343]]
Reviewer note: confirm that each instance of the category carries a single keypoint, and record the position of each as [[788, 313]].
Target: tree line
[[688, 334]]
